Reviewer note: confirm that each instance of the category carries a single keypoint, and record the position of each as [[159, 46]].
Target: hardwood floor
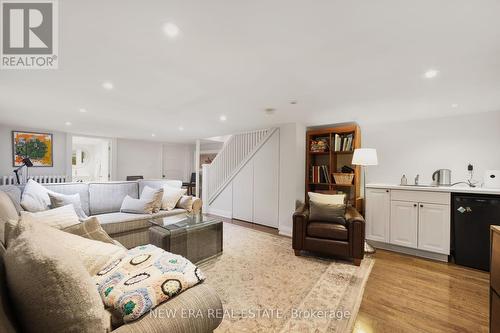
[[409, 294]]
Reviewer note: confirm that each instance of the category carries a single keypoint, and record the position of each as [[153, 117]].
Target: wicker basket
[[343, 178]]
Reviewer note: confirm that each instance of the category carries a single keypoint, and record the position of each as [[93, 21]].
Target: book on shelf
[[343, 142], [320, 174]]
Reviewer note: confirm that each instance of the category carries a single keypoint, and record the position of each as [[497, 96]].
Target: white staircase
[[237, 151]]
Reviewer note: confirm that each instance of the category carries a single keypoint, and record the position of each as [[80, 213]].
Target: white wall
[[178, 161], [292, 173], [223, 204], [59, 152], [422, 146], [134, 158]]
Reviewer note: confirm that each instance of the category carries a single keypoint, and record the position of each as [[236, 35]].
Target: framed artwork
[[207, 158], [36, 146]]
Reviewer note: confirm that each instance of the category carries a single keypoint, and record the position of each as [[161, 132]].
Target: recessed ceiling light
[[68, 123], [171, 30], [431, 73], [82, 110], [269, 111], [454, 106], [108, 85], [223, 118], [181, 128], [153, 135]]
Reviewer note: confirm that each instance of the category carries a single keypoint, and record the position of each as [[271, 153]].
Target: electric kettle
[[442, 177]]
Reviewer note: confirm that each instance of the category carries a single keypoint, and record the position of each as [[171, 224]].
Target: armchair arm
[[356, 225], [352, 215], [300, 220]]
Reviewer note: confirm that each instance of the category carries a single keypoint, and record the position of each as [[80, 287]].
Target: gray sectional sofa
[[104, 200]]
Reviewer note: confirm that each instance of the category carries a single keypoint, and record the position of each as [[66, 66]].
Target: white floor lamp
[[365, 157]]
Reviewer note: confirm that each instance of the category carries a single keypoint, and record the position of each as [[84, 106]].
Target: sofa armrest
[[356, 226], [300, 220], [197, 204], [196, 310]]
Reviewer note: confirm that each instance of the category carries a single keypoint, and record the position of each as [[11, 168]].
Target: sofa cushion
[[35, 197], [60, 200], [186, 202], [327, 230], [93, 254], [144, 278], [14, 192], [108, 197], [114, 223], [91, 229], [7, 212], [335, 199], [324, 212], [73, 188], [52, 291], [202, 298], [155, 194], [59, 218], [171, 197]]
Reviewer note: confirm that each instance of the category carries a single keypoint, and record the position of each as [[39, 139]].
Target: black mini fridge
[[472, 216]]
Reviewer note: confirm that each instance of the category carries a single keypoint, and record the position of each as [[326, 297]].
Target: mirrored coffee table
[[196, 237]]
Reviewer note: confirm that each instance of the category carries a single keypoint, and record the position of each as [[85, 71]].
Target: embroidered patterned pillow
[[146, 277]]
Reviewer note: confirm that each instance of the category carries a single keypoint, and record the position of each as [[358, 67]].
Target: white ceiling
[[341, 60]]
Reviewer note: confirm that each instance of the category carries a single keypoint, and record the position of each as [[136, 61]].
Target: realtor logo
[[29, 34]]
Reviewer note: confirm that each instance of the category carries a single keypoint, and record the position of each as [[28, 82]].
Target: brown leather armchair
[[330, 238]]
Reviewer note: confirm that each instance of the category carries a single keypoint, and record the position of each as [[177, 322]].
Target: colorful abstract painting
[[36, 146]]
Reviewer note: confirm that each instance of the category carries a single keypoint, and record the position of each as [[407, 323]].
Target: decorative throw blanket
[[144, 278]]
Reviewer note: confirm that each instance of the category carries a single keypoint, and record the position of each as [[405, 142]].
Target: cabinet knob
[[414, 205], [387, 191], [421, 205]]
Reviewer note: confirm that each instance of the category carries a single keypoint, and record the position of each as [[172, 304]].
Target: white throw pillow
[[186, 202], [93, 254], [331, 199], [52, 291], [155, 194], [137, 206], [7, 212], [171, 196], [58, 218], [60, 200], [35, 197]]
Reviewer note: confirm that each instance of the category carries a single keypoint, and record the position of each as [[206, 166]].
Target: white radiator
[[43, 179]]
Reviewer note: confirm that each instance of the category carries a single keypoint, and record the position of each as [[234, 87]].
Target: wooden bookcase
[[334, 160]]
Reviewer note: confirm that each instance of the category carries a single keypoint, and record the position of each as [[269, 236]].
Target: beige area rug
[[264, 287]]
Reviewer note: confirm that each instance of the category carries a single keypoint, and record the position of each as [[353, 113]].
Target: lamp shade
[[365, 156]]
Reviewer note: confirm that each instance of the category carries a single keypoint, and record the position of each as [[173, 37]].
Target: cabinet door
[[243, 194], [377, 214], [266, 183], [404, 220], [434, 228]]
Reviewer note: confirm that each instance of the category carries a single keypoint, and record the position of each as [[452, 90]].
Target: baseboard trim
[[285, 232], [406, 250], [224, 213]]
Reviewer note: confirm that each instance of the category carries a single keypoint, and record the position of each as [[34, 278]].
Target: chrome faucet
[[416, 179]]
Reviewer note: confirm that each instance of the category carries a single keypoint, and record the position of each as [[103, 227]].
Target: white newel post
[[204, 187]]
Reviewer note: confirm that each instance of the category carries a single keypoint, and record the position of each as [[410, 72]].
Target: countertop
[[455, 189]]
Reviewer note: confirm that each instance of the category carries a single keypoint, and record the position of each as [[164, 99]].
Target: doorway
[[90, 159]]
